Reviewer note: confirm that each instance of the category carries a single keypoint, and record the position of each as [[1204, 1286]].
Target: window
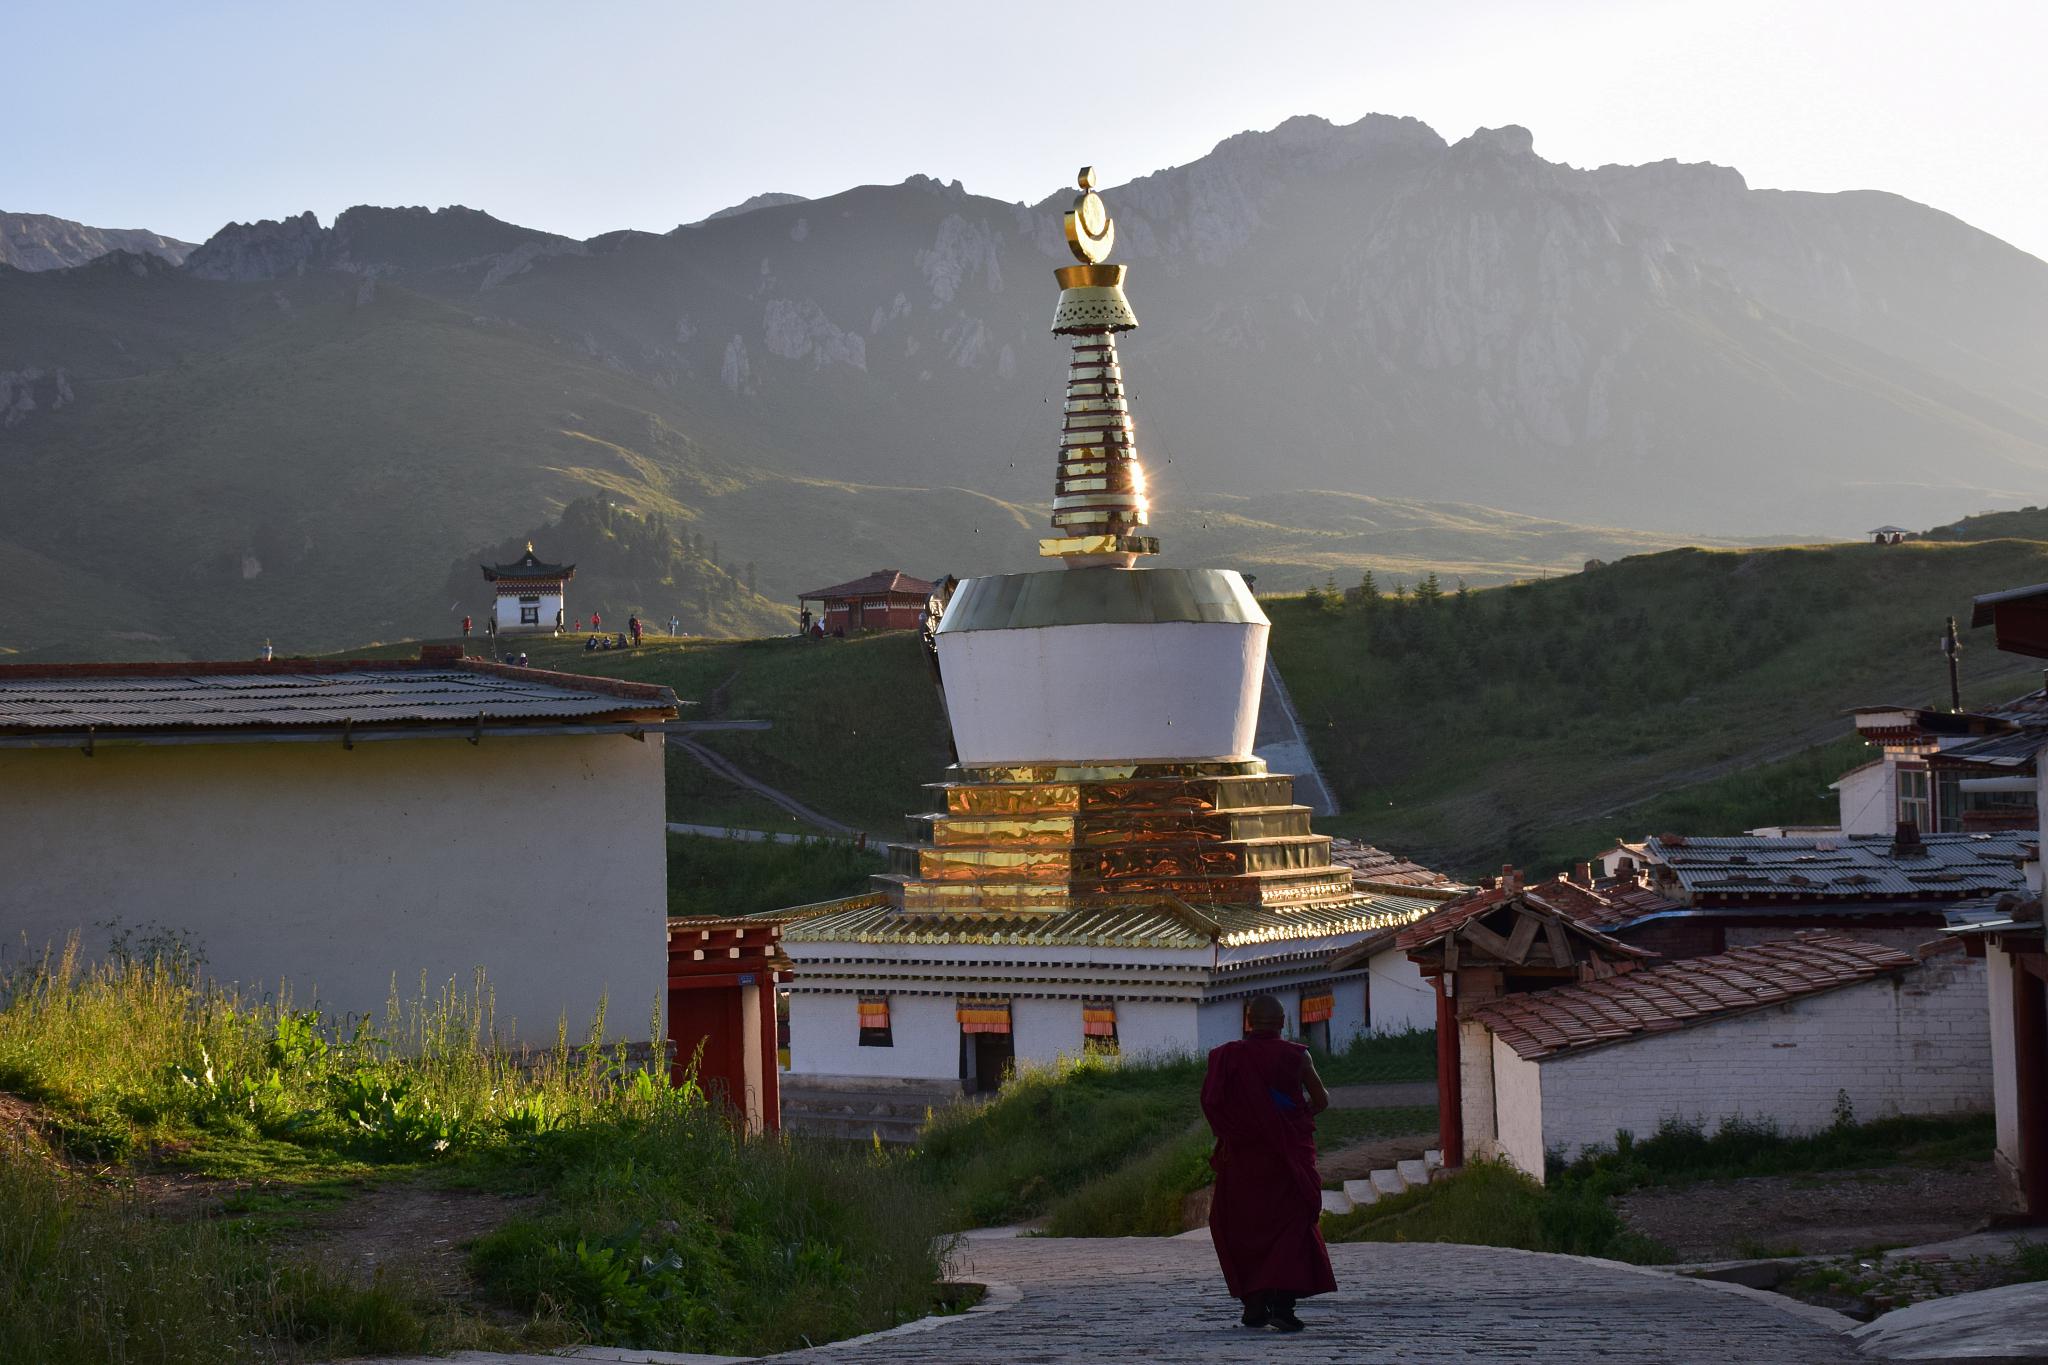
[[1316, 1008], [1916, 801], [1098, 1026], [529, 616], [874, 1022]]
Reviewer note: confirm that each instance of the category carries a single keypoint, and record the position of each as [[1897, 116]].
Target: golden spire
[[1099, 497]]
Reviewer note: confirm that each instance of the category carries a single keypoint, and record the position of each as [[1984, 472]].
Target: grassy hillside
[[1696, 690], [1536, 722]]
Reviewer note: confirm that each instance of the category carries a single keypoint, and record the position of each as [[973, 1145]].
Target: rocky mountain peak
[[39, 241], [267, 249]]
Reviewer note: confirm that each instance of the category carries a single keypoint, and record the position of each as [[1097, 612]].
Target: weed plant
[[1381, 1059], [660, 1224]]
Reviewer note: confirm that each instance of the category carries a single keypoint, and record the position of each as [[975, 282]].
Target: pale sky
[[608, 114]]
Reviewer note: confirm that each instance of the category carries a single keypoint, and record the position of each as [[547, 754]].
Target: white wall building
[[342, 827], [1784, 1032], [530, 596]]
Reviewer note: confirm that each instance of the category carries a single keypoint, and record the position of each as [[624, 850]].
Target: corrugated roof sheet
[[213, 696], [1681, 994], [870, 919], [1844, 867]]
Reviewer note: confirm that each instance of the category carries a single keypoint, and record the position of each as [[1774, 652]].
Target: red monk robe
[[1267, 1210]]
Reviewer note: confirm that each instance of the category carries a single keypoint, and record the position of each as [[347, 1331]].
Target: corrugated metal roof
[[870, 919], [316, 697], [1844, 867]]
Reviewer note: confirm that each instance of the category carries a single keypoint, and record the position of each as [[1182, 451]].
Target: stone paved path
[[1149, 1299]]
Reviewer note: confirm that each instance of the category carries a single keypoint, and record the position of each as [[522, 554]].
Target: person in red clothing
[[1261, 1096], [465, 627], [596, 621]]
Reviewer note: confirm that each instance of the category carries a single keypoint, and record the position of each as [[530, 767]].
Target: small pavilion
[[531, 594], [887, 599]]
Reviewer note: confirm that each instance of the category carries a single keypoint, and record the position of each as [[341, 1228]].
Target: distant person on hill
[[597, 620], [675, 626], [805, 621], [465, 627], [1261, 1096], [633, 625]]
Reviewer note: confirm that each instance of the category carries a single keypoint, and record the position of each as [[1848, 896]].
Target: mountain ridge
[[1365, 309]]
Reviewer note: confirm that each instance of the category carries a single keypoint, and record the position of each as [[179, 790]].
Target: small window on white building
[[529, 616], [1098, 1027], [874, 1022], [1916, 799]]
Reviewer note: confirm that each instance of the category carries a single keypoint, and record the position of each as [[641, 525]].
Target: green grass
[[1682, 1152], [1694, 689], [1381, 1058], [1109, 1148], [89, 1276], [708, 876], [1492, 1204], [659, 1223]]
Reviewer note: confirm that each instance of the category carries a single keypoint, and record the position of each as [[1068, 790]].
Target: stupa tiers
[[1107, 864], [531, 594]]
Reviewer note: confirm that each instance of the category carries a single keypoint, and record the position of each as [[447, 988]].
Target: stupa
[[1107, 865]]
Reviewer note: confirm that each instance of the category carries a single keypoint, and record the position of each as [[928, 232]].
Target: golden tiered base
[[1049, 837]]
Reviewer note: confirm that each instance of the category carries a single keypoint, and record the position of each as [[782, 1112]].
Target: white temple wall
[[1347, 1011], [1158, 690], [508, 610], [1218, 1023], [1157, 1028], [1402, 997], [1043, 1031], [824, 1038]]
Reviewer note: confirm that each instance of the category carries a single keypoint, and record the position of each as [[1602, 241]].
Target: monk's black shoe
[[1283, 1320], [1256, 1313]]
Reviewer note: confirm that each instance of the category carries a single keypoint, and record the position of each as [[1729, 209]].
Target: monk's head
[[1264, 1015]]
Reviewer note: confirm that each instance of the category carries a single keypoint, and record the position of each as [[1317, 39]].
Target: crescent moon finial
[[1090, 233]]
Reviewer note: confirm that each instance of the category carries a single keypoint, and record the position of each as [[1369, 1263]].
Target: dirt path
[[409, 1227], [1835, 1211], [724, 767]]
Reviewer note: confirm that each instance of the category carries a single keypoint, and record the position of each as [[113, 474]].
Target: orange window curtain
[[1317, 1008], [1098, 1018], [874, 1011], [984, 1014]]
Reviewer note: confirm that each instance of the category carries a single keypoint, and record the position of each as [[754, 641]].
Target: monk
[[1261, 1097]]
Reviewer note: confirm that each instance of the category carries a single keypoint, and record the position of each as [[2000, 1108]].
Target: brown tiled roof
[[1681, 994], [1602, 907], [1369, 864], [880, 581]]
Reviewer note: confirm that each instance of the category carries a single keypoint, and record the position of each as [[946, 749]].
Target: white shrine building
[[1107, 865], [531, 594]]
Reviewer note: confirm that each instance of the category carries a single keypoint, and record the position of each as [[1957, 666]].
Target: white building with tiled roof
[[346, 828], [1108, 864], [1792, 1033]]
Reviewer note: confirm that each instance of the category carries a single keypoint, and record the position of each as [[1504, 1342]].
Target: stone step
[[895, 1132], [1413, 1171], [911, 1111], [1336, 1202], [1361, 1192], [1433, 1159], [1388, 1182]]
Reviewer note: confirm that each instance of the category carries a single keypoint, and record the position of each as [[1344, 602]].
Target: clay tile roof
[[1591, 908], [1681, 994], [1376, 865], [880, 581]]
